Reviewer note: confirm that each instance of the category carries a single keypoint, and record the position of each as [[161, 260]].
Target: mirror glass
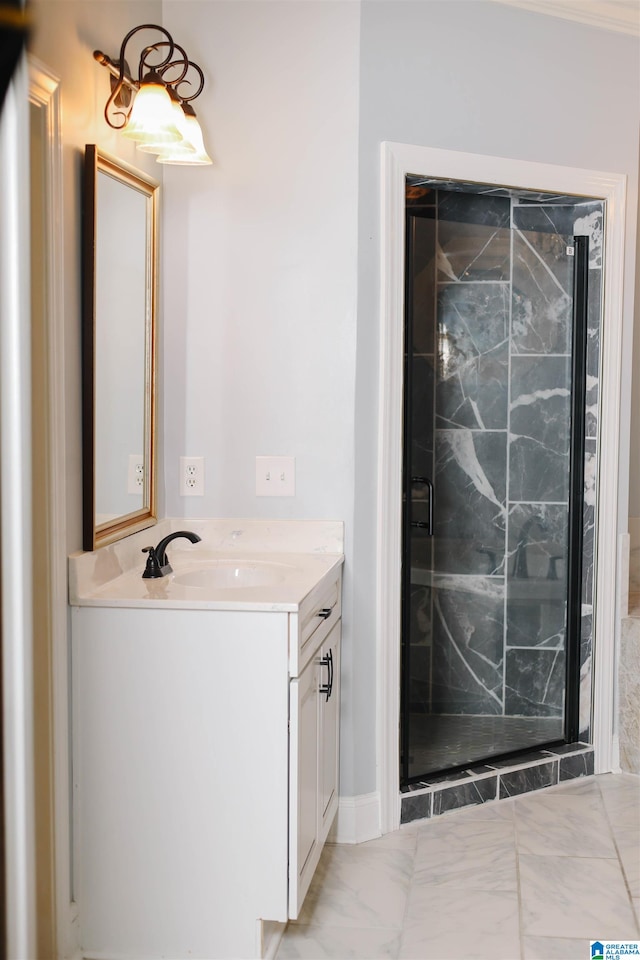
[[120, 279]]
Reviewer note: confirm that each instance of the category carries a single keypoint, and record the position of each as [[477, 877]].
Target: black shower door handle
[[421, 524]]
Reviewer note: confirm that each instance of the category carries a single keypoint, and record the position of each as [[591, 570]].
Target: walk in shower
[[502, 321]]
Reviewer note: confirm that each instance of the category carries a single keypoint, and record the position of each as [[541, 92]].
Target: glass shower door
[[494, 446]]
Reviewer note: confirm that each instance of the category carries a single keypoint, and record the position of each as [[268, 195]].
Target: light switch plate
[[275, 476]]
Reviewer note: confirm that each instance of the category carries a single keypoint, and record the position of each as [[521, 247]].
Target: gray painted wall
[[260, 274], [482, 78], [290, 86]]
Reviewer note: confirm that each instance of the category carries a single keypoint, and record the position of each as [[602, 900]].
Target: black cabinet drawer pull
[[325, 612], [327, 661]]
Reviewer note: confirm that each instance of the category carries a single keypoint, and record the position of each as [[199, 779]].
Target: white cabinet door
[[329, 730], [313, 774], [304, 848]]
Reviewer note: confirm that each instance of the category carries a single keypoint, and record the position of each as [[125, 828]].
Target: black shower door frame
[[575, 510]]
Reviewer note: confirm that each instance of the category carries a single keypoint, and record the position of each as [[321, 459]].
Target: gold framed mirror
[[120, 279]]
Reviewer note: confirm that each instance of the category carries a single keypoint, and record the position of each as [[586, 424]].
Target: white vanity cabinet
[[205, 770]]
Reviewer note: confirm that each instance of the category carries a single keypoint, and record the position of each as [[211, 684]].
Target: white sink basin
[[229, 574]]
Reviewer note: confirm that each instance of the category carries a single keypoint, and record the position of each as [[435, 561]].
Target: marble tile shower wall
[[491, 422]]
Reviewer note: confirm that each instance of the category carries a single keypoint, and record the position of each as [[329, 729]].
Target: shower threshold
[[495, 779]]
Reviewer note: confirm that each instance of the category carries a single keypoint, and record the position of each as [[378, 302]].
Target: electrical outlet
[[191, 476], [275, 476], [135, 474]]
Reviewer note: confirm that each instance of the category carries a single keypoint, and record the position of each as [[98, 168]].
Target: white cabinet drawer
[[317, 616]]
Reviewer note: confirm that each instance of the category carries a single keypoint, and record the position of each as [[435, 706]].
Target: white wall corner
[[357, 820]]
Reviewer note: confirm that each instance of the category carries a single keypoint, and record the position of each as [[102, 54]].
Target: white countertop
[[298, 556]]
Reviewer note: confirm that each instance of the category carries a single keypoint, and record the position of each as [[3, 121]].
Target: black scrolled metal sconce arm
[[118, 106], [177, 81], [175, 84]]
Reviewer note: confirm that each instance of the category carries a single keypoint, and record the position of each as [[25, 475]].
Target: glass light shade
[[152, 119], [181, 146], [192, 134]]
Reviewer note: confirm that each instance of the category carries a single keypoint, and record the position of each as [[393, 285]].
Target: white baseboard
[[358, 819]]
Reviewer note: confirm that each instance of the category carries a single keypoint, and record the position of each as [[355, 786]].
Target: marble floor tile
[[446, 924], [582, 786], [564, 825], [576, 897], [445, 889], [404, 840], [360, 943], [617, 782], [628, 844], [492, 810], [554, 948], [472, 854], [359, 887], [621, 798], [408, 828]]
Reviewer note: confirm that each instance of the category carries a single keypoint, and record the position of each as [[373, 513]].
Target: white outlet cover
[[275, 476], [191, 476], [135, 474]]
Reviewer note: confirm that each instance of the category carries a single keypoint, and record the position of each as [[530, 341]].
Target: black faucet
[[157, 563]]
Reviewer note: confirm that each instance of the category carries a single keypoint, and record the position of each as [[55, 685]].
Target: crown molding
[[623, 16]]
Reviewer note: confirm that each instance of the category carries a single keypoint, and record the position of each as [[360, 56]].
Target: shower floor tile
[[442, 742]]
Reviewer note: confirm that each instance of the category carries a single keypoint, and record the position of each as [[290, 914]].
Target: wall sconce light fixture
[[160, 118]]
